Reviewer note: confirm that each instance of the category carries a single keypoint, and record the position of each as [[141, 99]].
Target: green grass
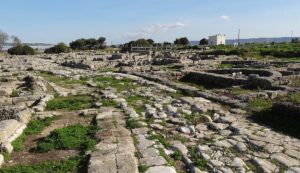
[[194, 118], [259, 104], [62, 81], [137, 102], [295, 82], [15, 93], [109, 103], [132, 124], [143, 168], [71, 137], [295, 98], [104, 82], [77, 102], [180, 138], [239, 90], [226, 66], [34, 127], [5, 155], [160, 138], [197, 160], [76, 164]]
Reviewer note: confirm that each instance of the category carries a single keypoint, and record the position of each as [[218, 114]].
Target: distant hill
[[255, 40]]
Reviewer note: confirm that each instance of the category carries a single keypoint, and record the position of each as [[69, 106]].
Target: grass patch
[[62, 81], [119, 84], [180, 138], [222, 66], [161, 139], [295, 82], [77, 102], [194, 118], [34, 127], [15, 93], [5, 155], [137, 102], [259, 105], [197, 160], [295, 98], [109, 103], [71, 137], [132, 124], [70, 165], [238, 91], [143, 168]]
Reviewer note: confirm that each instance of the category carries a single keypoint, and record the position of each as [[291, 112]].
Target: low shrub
[[59, 48], [21, 50]]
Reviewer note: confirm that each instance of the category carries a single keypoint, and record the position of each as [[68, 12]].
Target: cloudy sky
[[52, 21]]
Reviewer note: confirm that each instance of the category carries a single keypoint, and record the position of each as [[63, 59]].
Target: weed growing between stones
[[15, 93], [132, 124], [70, 165], [196, 158], [74, 102], [34, 127], [143, 168], [76, 137], [161, 139]]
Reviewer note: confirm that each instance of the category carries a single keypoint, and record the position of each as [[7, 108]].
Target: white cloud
[[154, 29], [225, 18]]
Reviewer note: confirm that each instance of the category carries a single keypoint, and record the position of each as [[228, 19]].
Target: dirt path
[[25, 156]]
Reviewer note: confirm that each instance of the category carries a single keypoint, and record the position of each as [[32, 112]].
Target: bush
[[21, 50], [67, 138], [59, 48]]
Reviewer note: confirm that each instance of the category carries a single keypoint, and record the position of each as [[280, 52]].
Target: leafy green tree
[[142, 42], [150, 41], [203, 41], [101, 42], [295, 40], [78, 44], [59, 48], [21, 50], [181, 41]]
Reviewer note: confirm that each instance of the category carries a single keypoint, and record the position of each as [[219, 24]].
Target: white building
[[217, 39]]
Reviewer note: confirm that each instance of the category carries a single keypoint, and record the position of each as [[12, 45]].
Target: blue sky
[[53, 21]]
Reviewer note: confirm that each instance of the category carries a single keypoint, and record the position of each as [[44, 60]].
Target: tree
[[181, 41], [3, 39], [101, 42], [59, 48], [142, 42], [150, 41], [295, 40], [78, 44], [21, 50], [203, 41], [15, 41]]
